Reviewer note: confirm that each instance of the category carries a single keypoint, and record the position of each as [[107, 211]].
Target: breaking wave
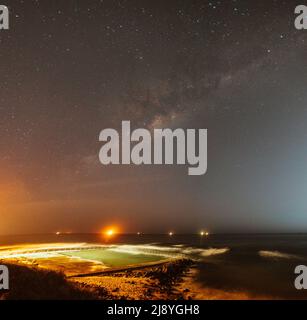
[[277, 255], [213, 251], [147, 249], [168, 251]]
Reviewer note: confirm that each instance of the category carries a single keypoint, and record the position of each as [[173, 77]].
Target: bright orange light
[[110, 231]]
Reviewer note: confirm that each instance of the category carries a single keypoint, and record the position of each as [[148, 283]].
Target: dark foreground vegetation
[[28, 283]]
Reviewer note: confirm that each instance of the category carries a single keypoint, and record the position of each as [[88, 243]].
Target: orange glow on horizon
[[110, 231]]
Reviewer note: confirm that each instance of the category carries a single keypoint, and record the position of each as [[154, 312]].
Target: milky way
[[72, 68]]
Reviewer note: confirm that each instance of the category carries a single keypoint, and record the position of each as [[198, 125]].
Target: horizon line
[[159, 233]]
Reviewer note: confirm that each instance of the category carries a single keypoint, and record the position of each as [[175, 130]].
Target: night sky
[[70, 68]]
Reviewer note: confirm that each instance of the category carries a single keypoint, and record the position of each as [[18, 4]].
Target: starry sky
[[70, 68]]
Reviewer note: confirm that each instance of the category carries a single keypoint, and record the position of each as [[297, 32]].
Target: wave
[[213, 251], [147, 249], [277, 255]]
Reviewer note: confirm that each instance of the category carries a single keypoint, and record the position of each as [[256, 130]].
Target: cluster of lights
[[58, 233], [113, 231], [202, 233]]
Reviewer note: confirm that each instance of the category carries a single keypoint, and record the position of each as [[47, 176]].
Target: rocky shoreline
[[148, 283]]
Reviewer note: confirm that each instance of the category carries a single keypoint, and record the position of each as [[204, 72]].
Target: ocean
[[260, 265]]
